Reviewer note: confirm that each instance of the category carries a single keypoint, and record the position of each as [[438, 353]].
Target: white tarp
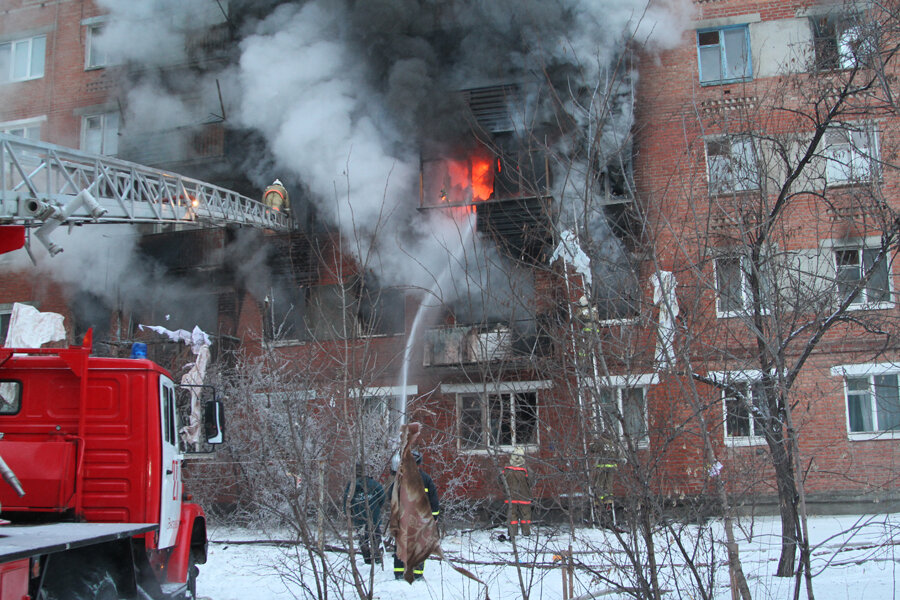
[[199, 342], [570, 251], [30, 328], [664, 298]]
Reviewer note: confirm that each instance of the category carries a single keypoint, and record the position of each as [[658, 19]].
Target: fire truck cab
[[94, 445]]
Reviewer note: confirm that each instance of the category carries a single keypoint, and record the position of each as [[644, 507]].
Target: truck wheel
[[192, 574]]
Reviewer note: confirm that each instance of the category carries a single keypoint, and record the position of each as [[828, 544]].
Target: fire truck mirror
[[214, 422]]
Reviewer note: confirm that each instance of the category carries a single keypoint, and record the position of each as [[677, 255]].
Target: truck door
[[170, 500]]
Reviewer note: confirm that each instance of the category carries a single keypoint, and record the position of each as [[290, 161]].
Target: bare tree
[[798, 162]]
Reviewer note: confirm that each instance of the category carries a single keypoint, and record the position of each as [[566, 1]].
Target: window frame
[[723, 54], [732, 379], [744, 285], [104, 133], [482, 393], [865, 304], [868, 157], [737, 182], [620, 419], [94, 59], [868, 372], [14, 49]]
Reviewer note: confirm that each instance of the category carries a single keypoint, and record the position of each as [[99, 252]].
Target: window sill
[[865, 436], [725, 81], [871, 306], [727, 193], [11, 81], [745, 314], [744, 441], [506, 449], [851, 183]]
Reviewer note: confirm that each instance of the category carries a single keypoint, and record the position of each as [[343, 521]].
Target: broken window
[[381, 311], [724, 54], [732, 165], [95, 57], [497, 420], [855, 263], [839, 41], [331, 313], [283, 311]]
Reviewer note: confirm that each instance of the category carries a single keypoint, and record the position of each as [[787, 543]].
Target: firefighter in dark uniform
[[605, 456], [365, 512], [518, 490], [431, 492]]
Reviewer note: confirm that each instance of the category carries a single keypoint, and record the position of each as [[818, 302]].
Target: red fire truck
[[93, 494]]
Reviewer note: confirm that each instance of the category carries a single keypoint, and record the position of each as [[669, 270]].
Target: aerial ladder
[[43, 186]]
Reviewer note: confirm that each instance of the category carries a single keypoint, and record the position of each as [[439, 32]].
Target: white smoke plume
[[345, 93]]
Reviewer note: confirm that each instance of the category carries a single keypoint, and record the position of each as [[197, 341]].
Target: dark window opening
[[381, 311], [522, 227]]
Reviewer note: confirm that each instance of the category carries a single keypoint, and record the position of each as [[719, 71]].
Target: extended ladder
[[43, 185]]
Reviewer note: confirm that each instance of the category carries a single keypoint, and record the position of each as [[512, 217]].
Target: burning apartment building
[[491, 226]]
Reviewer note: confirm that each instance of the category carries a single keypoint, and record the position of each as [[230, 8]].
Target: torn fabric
[[30, 328]]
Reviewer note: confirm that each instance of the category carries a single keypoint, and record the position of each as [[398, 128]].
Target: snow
[[854, 557]]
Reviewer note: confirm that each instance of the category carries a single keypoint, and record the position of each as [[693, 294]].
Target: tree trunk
[[787, 504]]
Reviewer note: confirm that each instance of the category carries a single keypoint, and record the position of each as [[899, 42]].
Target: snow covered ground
[[855, 557]]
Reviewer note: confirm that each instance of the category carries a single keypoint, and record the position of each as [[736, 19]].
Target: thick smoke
[[346, 93]]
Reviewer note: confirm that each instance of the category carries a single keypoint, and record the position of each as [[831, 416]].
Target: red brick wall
[[66, 84]]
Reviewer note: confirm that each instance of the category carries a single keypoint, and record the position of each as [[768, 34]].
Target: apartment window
[[840, 41], [850, 154], [30, 130], [873, 403], [734, 294], [625, 408], [852, 265], [95, 58], [497, 419], [731, 165], [100, 133], [22, 59], [724, 54], [745, 409], [381, 311]]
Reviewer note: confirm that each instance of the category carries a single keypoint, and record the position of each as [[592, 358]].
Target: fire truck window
[[10, 397]]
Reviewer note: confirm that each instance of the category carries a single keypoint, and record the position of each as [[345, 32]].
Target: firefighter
[[431, 492], [276, 197], [518, 490], [365, 512], [605, 456]]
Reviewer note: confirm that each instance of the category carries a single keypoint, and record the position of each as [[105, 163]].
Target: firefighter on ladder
[[276, 197], [518, 495], [606, 465]]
